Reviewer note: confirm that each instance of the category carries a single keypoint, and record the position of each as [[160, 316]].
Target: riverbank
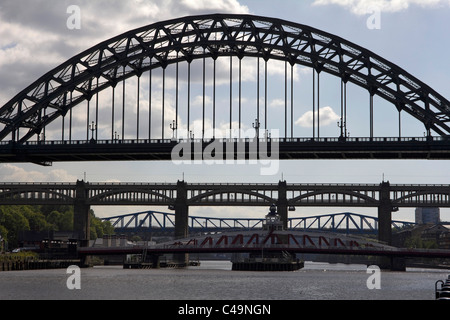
[[30, 261], [36, 265]]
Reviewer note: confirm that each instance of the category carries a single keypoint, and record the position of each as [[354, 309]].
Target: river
[[214, 280]]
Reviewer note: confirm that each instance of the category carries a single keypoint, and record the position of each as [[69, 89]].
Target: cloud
[[34, 37], [12, 173], [327, 117], [218, 6], [362, 7], [277, 103]]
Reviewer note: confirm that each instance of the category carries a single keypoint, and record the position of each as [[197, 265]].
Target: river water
[[214, 280]]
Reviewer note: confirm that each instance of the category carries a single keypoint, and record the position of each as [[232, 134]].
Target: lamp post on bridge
[[256, 125], [93, 127], [174, 127]]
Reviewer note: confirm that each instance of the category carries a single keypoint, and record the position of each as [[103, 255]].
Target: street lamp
[[93, 127], [256, 125], [174, 127]]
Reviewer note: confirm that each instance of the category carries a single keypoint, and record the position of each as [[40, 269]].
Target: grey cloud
[[34, 37]]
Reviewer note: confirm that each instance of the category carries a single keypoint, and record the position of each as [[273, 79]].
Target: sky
[[35, 37]]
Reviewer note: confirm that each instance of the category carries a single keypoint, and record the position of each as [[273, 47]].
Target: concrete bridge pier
[[181, 220], [385, 214], [385, 210], [282, 203], [391, 263], [81, 217]]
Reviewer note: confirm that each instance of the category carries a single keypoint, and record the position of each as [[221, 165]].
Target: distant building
[[417, 236], [438, 233], [427, 215]]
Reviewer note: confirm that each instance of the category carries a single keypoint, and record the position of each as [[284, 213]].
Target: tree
[[100, 228], [17, 219], [66, 221], [3, 237], [14, 222], [36, 220]]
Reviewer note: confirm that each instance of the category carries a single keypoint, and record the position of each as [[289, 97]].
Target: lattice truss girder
[[185, 39]]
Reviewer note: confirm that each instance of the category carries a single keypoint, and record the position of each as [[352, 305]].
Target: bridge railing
[[225, 140]]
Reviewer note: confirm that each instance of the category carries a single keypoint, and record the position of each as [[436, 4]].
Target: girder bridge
[[386, 197], [163, 223]]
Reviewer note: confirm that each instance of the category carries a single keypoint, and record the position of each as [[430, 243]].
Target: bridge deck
[[46, 152], [264, 241], [237, 194], [400, 252]]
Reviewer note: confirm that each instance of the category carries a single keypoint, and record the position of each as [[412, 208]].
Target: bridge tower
[[385, 210], [181, 211], [282, 203], [81, 218], [385, 214], [181, 219]]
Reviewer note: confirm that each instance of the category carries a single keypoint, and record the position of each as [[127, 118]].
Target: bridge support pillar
[[385, 210], [181, 219], [392, 263], [81, 217], [385, 215], [282, 204]]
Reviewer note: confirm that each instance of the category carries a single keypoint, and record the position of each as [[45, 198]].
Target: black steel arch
[[198, 198], [367, 200], [105, 197], [185, 39], [428, 195]]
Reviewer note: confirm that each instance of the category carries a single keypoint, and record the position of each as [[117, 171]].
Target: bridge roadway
[[226, 194], [47, 152], [181, 195]]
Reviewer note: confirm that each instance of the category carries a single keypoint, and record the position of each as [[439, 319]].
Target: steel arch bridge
[[164, 223], [26, 120]]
